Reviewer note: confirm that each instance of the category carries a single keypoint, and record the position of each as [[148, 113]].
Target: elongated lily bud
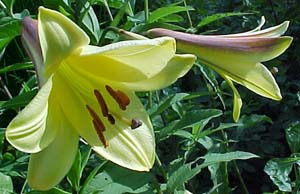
[[237, 57], [31, 43], [245, 48]]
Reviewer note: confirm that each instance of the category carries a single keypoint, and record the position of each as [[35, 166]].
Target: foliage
[[199, 148]]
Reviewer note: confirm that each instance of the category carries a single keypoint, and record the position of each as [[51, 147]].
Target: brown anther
[[135, 123], [98, 125], [100, 134], [111, 119], [101, 102], [94, 115], [120, 97]]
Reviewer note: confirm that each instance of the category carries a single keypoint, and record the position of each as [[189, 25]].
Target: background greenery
[[199, 148]]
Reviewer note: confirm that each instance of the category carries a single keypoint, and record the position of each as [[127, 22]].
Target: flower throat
[[122, 100]]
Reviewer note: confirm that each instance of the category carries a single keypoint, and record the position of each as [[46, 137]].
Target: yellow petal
[[48, 167], [254, 76], [130, 148], [177, 67], [271, 32], [125, 61], [29, 131], [237, 101], [59, 37]]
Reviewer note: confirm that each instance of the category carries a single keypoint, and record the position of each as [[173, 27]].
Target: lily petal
[[178, 66], [271, 32], [130, 148], [237, 101], [29, 130], [31, 44], [254, 76], [43, 172], [125, 61], [59, 37]]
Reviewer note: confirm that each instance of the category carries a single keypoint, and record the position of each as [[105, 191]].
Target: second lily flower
[[237, 57]]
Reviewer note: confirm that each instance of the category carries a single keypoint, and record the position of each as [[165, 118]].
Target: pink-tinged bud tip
[[31, 43]]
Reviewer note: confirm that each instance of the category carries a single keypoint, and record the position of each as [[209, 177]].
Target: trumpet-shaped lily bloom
[[89, 92], [237, 57]]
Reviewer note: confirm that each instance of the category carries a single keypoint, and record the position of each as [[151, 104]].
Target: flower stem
[[108, 10], [6, 9], [160, 167], [240, 177], [150, 99], [146, 10], [23, 187], [5, 89], [235, 165], [188, 14]]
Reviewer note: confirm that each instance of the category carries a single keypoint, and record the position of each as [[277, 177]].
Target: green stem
[[23, 187], [150, 99], [6, 9], [188, 15], [157, 186], [5, 88], [235, 165], [240, 177], [146, 10], [108, 10], [297, 181], [160, 167]]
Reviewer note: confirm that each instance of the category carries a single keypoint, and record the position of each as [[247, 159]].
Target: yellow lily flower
[[88, 91], [237, 57]]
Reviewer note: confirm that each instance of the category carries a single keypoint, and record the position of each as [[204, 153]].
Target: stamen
[[99, 131], [98, 125], [94, 115], [111, 119], [120, 97], [135, 123], [101, 102]]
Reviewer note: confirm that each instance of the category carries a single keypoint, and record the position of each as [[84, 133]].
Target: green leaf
[[6, 186], [18, 101], [51, 191], [293, 137], [278, 170], [185, 172], [74, 173], [118, 180], [179, 177], [229, 156], [16, 66], [8, 32], [91, 24], [166, 103], [221, 127], [166, 11], [89, 179], [9, 4], [196, 117], [56, 4], [218, 16], [190, 119]]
